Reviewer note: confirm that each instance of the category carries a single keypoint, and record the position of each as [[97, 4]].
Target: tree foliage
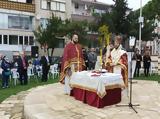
[[106, 19], [119, 16], [150, 12], [56, 29], [117, 19]]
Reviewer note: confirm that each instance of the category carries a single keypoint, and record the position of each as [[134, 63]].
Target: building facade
[[16, 26], [19, 18], [45, 9], [88, 9]]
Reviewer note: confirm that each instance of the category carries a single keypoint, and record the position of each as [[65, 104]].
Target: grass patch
[[13, 90], [150, 78]]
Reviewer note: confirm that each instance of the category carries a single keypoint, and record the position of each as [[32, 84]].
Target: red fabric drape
[[113, 97]]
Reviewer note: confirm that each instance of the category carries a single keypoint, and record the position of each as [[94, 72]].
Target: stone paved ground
[[49, 102], [12, 107]]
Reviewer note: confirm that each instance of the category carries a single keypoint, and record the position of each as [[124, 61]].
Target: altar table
[[97, 89]]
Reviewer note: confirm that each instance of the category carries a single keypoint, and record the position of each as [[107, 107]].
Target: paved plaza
[[49, 102]]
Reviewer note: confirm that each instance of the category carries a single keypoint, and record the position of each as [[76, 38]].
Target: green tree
[[79, 27], [48, 38], [119, 16], [152, 10], [106, 19], [56, 29], [148, 25]]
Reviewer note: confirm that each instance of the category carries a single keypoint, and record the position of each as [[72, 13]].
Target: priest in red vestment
[[117, 62], [72, 61]]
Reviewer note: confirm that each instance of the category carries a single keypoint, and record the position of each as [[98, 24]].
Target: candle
[[101, 57]]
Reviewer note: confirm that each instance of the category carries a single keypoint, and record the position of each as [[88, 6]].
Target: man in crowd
[[45, 62], [22, 68], [92, 58], [118, 61], [72, 61], [85, 56]]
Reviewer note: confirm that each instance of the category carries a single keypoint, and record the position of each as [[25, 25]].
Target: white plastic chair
[[30, 72], [39, 71], [54, 70], [0, 70], [15, 76]]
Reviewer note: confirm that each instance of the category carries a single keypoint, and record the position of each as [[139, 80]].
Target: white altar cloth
[[96, 82]]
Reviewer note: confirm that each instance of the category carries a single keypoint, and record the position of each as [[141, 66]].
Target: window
[[48, 5], [43, 23], [28, 1], [5, 39], [21, 40], [13, 39], [26, 40], [3, 21], [76, 6], [31, 40], [44, 4], [0, 39], [53, 6], [62, 7], [19, 22], [58, 6]]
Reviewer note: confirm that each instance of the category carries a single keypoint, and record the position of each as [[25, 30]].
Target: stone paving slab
[[49, 102], [12, 107]]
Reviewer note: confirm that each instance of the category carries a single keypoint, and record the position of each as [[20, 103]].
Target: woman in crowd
[[146, 63], [6, 67]]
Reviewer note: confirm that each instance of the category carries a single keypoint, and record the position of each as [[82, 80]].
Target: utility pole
[[140, 26]]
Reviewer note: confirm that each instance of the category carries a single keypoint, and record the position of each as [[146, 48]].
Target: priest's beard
[[75, 42]]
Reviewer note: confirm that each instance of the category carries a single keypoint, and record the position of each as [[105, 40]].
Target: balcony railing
[[77, 17], [26, 7]]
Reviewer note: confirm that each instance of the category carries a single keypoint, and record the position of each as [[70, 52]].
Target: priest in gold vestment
[[117, 62]]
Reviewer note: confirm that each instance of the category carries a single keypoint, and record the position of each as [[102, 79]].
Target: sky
[[134, 4]]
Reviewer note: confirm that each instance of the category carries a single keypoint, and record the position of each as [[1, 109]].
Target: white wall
[[13, 47]]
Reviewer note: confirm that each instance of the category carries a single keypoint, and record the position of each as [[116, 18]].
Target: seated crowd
[[21, 69]]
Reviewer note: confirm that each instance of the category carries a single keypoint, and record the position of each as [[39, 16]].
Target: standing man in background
[[45, 62], [22, 68], [92, 58]]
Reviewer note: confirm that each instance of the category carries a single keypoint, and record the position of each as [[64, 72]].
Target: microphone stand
[[130, 96]]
